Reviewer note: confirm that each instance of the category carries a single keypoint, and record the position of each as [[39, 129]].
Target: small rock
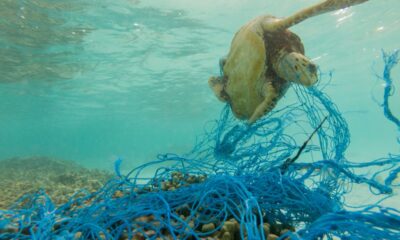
[[266, 228], [138, 236], [191, 179], [208, 227], [285, 231], [272, 237], [164, 186], [229, 226], [150, 233], [77, 235], [191, 224], [142, 219], [118, 194], [227, 236]]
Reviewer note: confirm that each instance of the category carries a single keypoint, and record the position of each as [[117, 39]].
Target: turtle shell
[[249, 65]]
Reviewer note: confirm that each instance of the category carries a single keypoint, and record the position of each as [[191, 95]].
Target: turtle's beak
[[295, 67]]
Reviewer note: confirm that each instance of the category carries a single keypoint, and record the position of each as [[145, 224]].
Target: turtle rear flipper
[[317, 9], [217, 85]]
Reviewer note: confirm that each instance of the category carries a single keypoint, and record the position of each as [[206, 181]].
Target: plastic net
[[239, 182]]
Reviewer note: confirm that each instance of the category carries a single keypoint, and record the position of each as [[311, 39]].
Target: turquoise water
[[91, 81]]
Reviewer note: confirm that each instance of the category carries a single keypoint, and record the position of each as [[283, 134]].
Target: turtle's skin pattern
[[264, 59]]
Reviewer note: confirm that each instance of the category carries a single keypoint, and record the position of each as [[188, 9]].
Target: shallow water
[[92, 81]]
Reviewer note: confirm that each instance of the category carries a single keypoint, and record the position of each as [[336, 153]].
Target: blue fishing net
[[286, 175], [390, 61]]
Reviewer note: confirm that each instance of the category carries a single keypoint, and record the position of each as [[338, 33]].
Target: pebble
[[231, 226], [77, 235], [285, 231], [164, 186], [150, 233], [266, 228], [272, 237], [208, 227], [227, 236]]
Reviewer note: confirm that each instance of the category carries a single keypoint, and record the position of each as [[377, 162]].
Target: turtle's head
[[295, 67]]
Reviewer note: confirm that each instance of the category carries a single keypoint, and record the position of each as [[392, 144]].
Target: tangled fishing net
[[239, 182]]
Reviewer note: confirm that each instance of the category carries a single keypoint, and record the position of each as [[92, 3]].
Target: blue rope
[[234, 171], [391, 60]]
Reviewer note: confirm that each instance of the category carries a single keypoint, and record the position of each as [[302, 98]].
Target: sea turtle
[[264, 59]]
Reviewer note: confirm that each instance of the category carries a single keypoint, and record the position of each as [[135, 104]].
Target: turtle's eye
[[312, 68]]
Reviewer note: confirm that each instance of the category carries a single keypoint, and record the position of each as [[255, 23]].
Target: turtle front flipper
[[297, 68], [317, 9], [217, 84]]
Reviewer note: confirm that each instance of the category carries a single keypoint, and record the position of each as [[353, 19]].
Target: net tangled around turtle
[[234, 184]]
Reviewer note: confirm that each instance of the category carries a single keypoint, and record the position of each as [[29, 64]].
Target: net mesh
[[232, 185]]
